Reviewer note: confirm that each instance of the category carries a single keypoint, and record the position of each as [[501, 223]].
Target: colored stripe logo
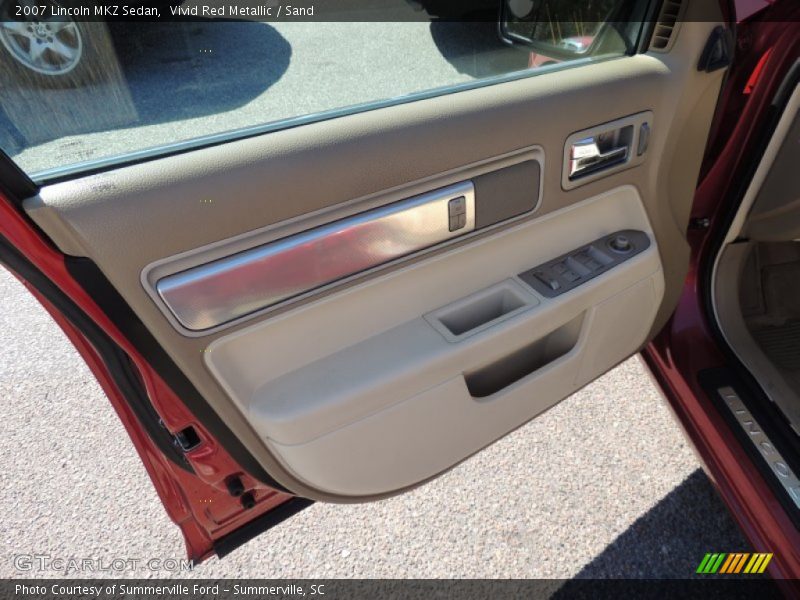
[[734, 563]]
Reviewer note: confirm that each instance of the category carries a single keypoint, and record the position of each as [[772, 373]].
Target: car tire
[[54, 54]]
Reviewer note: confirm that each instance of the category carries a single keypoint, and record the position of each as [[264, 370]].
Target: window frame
[[76, 170]]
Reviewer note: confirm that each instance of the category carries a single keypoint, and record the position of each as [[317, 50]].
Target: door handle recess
[[607, 148], [587, 157], [506, 371]]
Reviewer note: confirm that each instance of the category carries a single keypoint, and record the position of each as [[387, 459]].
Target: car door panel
[[366, 374], [349, 390]]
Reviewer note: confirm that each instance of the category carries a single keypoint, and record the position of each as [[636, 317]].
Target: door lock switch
[[644, 139], [457, 213]]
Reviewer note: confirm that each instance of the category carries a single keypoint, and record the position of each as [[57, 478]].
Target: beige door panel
[[150, 220], [422, 436], [377, 360]]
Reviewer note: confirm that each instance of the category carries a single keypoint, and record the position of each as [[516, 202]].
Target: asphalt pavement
[[602, 485]]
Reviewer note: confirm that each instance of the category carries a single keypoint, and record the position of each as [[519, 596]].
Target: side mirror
[[558, 29]]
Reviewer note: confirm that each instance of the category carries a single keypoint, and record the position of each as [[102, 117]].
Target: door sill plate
[[755, 433]]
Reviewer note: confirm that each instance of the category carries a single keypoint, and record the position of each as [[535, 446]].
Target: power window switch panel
[[569, 271]]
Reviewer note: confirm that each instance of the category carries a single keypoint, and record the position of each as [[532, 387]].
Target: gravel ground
[[603, 485]]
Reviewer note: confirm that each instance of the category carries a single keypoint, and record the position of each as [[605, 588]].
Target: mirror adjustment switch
[[457, 213], [620, 243]]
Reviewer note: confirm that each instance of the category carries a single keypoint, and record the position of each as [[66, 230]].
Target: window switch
[[593, 265], [549, 281], [585, 259]]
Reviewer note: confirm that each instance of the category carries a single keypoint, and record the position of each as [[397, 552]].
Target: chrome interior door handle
[[586, 157]]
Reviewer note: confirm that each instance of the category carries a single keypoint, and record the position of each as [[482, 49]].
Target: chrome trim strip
[[223, 290], [755, 433]]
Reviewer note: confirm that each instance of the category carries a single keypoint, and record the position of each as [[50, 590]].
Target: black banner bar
[[333, 589], [281, 10]]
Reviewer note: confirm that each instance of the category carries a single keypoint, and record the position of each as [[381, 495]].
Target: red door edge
[[687, 344], [211, 519], [198, 500]]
